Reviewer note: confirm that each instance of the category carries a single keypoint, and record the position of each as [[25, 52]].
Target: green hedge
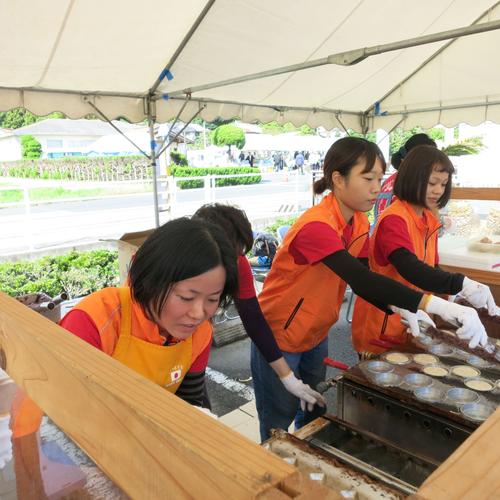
[[76, 273], [229, 181]]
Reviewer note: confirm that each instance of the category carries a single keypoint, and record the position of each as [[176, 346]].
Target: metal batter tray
[[398, 420]]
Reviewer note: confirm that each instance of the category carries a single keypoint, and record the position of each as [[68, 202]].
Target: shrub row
[[76, 273], [228, 181]]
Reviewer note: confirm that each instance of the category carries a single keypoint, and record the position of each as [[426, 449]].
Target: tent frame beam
[[188, 97], [181, 47], [432, 57], [181, 130], [408, 111], [347, 58], [106, 119]]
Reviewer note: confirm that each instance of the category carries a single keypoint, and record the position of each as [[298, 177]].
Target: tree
[[228, 135], [20, 117], [214, 123], [469, 146], [372, 136], [31, 149], [307, 130], [275, 128], [399, 136]]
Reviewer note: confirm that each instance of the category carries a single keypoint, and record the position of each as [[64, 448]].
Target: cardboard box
[[127, 246]]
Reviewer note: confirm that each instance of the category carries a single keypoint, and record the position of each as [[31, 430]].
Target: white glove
[[470, 327], [413, 318], [478, 295], [306, 395], [206, 411], [5, 441]]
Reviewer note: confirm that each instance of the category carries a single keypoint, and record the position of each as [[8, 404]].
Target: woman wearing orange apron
[[404, 247], [304, 290], [159, 326]]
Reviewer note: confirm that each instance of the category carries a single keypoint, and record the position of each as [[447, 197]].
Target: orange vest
[[370, 322], [26, 416], [131, 338], [302, 302]]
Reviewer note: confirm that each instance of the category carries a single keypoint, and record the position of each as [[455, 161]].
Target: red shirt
[[392, 234], [317, 240], [387, 187], [80, 324], [246, 288]]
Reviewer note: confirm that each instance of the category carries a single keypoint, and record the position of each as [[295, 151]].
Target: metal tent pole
[[350, 57], [97, 110], [151, 114]]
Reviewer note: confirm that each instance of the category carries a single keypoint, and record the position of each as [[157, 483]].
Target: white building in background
[[60, 137], [64, 137]]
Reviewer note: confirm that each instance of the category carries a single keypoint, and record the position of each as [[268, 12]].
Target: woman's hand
[[413, 318], [479, 296], [466, 318], [308, 397]]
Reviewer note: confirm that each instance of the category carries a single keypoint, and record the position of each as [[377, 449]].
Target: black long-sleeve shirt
[[373, 287], [431, 279]]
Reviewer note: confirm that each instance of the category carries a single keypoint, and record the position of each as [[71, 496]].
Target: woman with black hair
[[322, 252], [386, 196], [239, 230], [160, 325], [404, 247]]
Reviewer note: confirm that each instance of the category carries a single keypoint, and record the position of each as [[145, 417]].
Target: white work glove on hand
[[306, 395], [478, 295], [413, 318], [470, 327]]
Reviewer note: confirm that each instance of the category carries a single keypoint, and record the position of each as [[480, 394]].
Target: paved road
[[74, 222]]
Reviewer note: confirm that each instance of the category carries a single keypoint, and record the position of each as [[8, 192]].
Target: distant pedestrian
[[250, 159], [299, 162]]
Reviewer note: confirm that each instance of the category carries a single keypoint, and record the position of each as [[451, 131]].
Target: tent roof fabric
[[111, 53]]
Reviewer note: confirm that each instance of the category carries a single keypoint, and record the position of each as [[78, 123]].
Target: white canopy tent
[[68, 55], [323, 63], [286, 142]]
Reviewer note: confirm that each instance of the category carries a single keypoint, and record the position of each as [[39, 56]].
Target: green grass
[[43, 194], [55, 193], [11, 196]]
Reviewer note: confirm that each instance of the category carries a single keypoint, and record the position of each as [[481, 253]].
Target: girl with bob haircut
[[404, 247], [304, 290], [386, 196], [239, 230], [160, 325]]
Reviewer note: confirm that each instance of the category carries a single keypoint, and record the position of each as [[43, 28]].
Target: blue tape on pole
[[377, 108], [166, 74], [165, 97], [153, 145]]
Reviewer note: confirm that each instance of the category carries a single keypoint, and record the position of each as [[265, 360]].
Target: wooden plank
[[149, 442], [463, 193], [311, 428], [486, 277], [300, 487], [472, 471]]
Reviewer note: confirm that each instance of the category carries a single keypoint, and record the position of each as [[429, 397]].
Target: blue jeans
[[276, 407]]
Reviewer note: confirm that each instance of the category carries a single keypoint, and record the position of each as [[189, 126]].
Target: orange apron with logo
[[129, 337], [369, 322], [302, 302]]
